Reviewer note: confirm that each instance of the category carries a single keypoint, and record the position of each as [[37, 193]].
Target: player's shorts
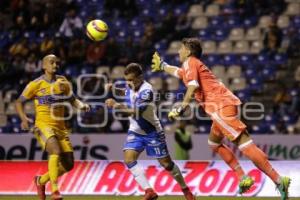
[[43, 132], [154, 143], [226, 123]]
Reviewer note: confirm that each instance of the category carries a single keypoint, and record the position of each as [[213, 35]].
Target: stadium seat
[[212, 10], [195, 11], [236, 34], [29, 107], [264, 21], [174, 47], [225, 47], [256, 47], [233, 22], [199, 23], [238, 84], [156, 82], [173, 83], [117, 72], [293, 9], [11, 110], [209, 47], [234, 71], [8, 97], [230, 59], [241, 47], [218, 71], [212, 59], [204, 34], [296, 22], [243, 95], [283, 21], [253, 34], [255, 83], [216, 22], [279, 59], [220, 34], [103, 70], [245, 59], [263, 59], [250, 21], [250, 73], [3, 120]]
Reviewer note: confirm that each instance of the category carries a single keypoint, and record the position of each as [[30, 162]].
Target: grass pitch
[[80, 197]]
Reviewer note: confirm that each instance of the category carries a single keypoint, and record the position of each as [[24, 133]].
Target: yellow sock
[[53, 171], [45, 177]]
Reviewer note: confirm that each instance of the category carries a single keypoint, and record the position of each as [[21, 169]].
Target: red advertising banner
[[205, 178]]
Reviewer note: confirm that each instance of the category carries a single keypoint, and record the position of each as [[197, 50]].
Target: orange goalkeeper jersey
[[211, 93]]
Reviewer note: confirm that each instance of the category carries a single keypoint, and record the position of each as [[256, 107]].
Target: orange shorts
[[226, 123]]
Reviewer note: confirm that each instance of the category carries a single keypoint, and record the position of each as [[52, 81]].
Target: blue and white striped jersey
[[146, 121]]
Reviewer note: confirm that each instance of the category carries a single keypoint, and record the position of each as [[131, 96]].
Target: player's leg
[[133, 146], [54, 150], [173, 169], [130, 159], [226, 123], [260, 159], [66, 162], [216, 145]]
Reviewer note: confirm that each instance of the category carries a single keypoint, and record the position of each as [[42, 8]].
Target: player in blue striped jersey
[[145, 130]]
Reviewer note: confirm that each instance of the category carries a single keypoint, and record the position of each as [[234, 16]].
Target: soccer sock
[[139, 175], [176, 173], [227, 155], [45, 177], [53, 171], [261, 161]]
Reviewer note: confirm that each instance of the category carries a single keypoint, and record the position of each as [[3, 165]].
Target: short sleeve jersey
[[49, 107]]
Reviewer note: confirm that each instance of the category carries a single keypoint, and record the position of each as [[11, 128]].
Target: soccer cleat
[[40, 188], [56, 196], [150, 194], [283, 187], [188, 194], [245, 184]]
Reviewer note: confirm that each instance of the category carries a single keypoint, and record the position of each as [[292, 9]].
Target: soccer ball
[[96, 30]]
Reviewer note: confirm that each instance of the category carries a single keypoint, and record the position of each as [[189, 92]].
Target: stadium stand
[[253, 48]]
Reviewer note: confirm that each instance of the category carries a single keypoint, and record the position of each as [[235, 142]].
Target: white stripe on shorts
[[224, 125]]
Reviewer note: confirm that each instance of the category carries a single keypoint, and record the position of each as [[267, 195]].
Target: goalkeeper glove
[[157, 63], [176, 112]]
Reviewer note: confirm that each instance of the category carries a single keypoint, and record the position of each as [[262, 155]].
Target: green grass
[[78, 197]]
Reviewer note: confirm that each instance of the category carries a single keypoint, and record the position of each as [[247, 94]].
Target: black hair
[[194, 45], [134, 68]]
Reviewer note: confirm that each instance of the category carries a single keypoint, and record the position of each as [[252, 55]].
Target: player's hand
[[86, 107], [175, 113], [110, 103], [25, 123], [156, 65], [108, 87]]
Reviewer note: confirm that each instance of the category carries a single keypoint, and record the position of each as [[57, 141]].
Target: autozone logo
[[202, 178]]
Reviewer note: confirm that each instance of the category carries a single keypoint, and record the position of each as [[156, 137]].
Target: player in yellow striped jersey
[[50, 93]]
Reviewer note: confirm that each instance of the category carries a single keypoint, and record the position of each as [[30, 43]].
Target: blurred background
[[252, 46]]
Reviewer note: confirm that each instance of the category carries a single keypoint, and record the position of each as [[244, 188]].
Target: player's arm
[[159, 65], [117, 91], [193, 84], [80, 105], [122, 108], [27, 94]]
